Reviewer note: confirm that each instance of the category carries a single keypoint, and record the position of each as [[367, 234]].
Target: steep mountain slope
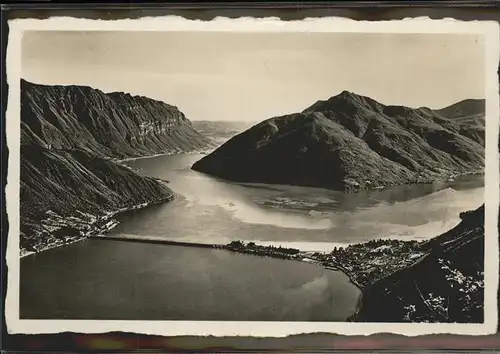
[[351, 142], [63, 193], [465, 108], [70, 188], [469, 116], [112, 125], [446, 285]]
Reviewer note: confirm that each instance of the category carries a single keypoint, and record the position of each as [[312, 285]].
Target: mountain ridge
[[346, 142], [69, 185], [116, 125], [65, 193]]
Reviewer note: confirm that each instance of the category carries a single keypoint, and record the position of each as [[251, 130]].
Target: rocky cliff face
[[447, 285], [112, 125], [352, 142], [70, 188]]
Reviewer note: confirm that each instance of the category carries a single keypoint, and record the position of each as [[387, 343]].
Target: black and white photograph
[[335, 177]]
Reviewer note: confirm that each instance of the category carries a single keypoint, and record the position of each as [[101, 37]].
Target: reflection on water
[[113, 280], [102, 279], [212, 210]]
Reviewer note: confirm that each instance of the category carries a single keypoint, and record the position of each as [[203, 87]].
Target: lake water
[[96, 279], [104, 279], [210, 210]]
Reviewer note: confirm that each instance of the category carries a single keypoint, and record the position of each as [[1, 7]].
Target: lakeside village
[[56, 230], [363, 263]]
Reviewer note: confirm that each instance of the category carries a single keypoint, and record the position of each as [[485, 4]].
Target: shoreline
[[101, 225], [447, 176], [194, 152], [300, 255], [352, 279], [444, 178], [98, 226], [395, 255], [401, 253], [356, 261], [360, 277]]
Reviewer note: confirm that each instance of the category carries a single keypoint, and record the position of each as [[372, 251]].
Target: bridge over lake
[[153, 240]]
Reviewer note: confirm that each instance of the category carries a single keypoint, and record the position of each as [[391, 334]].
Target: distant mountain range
[[219, 131], [352, 142]]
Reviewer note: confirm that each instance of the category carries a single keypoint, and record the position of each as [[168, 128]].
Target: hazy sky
[[254, 76]]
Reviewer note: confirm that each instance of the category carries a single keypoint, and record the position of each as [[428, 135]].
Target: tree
[[236, 244]]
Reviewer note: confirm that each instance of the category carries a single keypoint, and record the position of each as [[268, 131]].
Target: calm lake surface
[[104, 279], [96, 279], [210, 210]]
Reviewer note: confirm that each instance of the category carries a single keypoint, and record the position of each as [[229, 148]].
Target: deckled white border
[[490, 30]]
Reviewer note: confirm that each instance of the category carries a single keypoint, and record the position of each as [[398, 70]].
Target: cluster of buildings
[[364, 263]]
